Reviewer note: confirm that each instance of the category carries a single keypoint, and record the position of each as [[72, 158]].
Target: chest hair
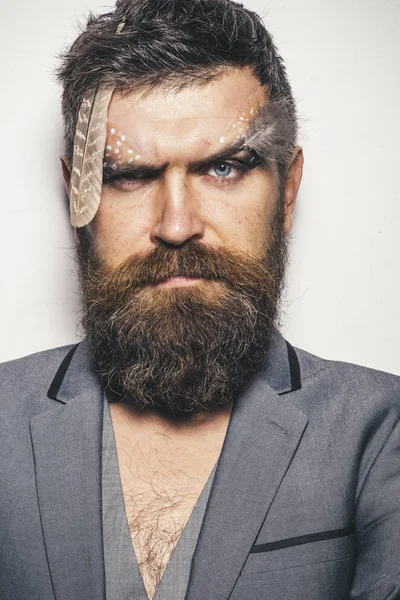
[[159, 495]]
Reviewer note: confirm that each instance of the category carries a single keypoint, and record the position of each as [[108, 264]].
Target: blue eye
[[222, 169]]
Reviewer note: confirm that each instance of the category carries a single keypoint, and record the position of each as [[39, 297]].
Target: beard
[[188, 348]]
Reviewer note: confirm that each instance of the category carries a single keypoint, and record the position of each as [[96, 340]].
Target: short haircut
[[172, 44]]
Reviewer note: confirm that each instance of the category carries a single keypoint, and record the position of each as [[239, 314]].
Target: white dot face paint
[[140, 139], [123, 149], [241, 125]]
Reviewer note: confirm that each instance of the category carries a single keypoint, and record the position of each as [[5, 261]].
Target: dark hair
[[167, 43]]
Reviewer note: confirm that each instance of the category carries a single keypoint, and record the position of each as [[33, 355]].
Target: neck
[[197, 420]]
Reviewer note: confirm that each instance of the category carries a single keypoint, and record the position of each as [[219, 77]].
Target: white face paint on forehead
[[121, 149], [182, 126]]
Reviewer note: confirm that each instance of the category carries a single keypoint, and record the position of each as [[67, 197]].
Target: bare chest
[[163, 472], [160, 490], [156, 521]]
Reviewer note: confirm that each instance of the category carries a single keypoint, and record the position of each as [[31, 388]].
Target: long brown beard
[[180, 349]]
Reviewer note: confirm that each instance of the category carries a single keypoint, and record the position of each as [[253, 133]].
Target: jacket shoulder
[[349, 383], [311, 365], [30, 377]]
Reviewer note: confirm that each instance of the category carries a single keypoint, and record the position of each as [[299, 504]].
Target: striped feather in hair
[[87, 164]]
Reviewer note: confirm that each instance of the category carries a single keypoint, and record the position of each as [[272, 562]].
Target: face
[[181, 292], [175, 177]]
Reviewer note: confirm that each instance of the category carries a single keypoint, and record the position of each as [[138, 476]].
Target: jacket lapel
[[262, 438], [67, 452]]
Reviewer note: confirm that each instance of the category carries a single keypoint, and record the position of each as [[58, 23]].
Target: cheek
[[120, 228], [252, 229], [241, 220]]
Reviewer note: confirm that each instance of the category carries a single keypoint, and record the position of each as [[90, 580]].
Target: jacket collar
[[75, 376]]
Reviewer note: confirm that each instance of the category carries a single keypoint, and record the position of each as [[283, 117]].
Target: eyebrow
[[145, 168], [149, 168], [228, 152]]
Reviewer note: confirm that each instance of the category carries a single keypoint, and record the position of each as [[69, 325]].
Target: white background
[[343, 58]]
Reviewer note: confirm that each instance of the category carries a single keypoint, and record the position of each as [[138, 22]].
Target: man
[[185, 449]]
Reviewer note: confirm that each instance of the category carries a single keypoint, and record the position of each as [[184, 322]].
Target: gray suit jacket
[[305, 503]]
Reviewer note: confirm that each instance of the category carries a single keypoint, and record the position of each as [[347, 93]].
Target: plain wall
[[342, 299]]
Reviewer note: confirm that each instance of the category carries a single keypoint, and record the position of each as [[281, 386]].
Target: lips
[[179, 281]]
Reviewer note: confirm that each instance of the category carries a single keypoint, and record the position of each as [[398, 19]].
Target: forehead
[[165, 122]]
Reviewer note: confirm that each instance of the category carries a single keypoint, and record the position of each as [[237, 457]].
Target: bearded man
[[184, 449]]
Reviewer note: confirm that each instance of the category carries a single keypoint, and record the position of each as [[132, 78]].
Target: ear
[[66, 171], [292, 184]]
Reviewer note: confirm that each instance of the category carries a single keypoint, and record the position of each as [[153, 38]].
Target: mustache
[[195, 260]]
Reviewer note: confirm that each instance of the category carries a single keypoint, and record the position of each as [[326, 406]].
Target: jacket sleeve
[[377, 574]]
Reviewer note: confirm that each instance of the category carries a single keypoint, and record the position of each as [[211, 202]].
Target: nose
[[178, 220]]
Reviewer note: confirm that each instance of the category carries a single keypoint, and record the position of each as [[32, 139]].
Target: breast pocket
[[303, 550]]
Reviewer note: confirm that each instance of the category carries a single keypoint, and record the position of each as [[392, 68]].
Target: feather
[[87, 164], [272, 134]]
